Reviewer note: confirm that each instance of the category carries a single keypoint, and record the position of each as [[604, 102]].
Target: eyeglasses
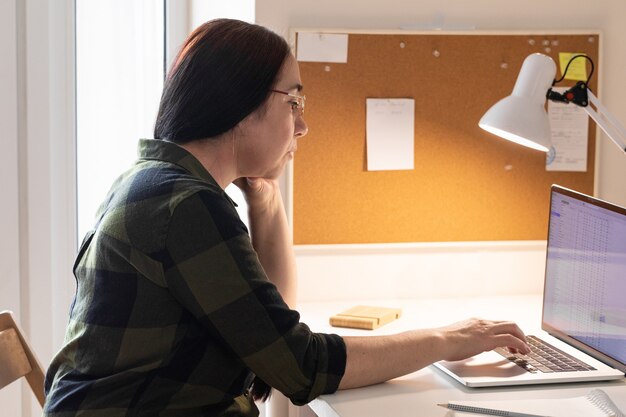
[[297, 104]]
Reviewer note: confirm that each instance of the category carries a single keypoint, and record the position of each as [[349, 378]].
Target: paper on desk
[[569, 124], [322, 47], [390, 126], [595, 404]]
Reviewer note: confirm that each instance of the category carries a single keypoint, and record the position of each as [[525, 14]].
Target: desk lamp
[[522, 117]]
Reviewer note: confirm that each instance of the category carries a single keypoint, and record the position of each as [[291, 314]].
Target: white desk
[[417, 394]]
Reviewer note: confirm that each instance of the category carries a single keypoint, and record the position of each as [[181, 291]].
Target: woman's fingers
[[508, 334], [511, 342], [474, 336], [510, 328]]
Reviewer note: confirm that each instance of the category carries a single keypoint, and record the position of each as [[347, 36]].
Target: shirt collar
[[162, 150]]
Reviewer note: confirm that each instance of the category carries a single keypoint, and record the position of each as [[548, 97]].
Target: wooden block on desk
[[365, 317]]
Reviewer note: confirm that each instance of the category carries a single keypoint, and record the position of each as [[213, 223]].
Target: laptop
[[584, 303]]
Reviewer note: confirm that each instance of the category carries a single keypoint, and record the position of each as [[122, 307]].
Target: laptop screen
[[585, 283]]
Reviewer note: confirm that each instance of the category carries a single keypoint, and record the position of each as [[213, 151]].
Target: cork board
[[467, 185]]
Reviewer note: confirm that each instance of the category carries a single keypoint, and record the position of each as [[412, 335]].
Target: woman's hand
[[260, 193], [471, 337]]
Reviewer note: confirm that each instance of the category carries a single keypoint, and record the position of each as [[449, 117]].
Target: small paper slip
[[390, 134], [569, 127], [322, 47], [365, 317], [595, 404]]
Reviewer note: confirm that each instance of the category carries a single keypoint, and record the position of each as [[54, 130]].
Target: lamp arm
[[609, 124]]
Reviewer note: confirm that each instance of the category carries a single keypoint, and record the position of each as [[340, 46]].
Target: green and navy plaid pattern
[[173, 313]]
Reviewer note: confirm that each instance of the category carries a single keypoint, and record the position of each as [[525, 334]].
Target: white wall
[[203, 10], [419, 270], [9, 238], [440, 269], [9, 183]]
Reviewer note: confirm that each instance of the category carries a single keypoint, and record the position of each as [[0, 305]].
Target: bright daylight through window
[[120, 59]]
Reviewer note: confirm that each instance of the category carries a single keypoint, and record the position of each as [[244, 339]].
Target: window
[[119, 78], [120, 59]]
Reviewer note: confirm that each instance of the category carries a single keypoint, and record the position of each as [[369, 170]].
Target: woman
[[178, 310]]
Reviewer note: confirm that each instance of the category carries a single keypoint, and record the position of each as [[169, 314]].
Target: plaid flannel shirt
[[173, 313]]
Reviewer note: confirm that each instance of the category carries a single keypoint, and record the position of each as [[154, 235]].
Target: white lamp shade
[[521, 117]]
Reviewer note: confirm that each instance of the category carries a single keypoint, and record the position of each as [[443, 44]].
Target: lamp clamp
[[577, 95]]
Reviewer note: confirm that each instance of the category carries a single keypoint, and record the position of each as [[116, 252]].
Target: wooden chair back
[[16, 358]]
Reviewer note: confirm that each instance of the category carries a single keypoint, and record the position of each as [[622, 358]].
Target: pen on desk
[[487, 411]]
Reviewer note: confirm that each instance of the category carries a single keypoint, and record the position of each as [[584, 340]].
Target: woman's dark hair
[[223, 72]]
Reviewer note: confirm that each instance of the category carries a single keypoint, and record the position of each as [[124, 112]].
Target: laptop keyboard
[[544, 358]]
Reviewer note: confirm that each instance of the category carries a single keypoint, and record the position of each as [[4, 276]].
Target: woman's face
[[267, 138]]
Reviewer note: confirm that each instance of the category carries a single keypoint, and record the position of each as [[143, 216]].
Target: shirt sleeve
[[214, 272]]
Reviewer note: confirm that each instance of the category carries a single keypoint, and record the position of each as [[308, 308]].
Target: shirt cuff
[[330, 367]]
